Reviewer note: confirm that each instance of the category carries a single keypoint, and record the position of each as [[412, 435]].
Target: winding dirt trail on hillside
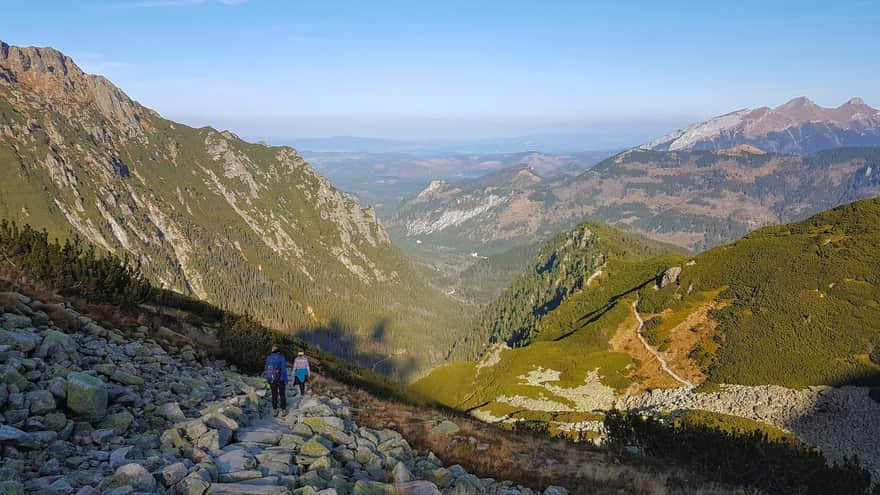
[[653, 352], [595, 274]]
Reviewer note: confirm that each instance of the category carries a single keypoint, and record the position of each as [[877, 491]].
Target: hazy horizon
[[604, 75]]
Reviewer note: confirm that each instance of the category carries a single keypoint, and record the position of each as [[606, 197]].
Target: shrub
[[773, 466]]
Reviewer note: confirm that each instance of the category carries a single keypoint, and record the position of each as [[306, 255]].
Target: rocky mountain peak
[[855, 101], [798, 126], [799, 102], [47, 73]]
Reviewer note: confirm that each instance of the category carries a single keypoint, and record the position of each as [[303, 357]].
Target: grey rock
[[61, 487], [135, 476], [416, 488], [20, 341], [11, 487], [670, 276], [171, 411], [555, 490], [13, 436], [258, 435], [13, 321], [236, 460], [401, 474], [86, 395], [194, 429], [118, 457], [245, 489], [215, 439], [172, 474], [56, 342], [220, 421], [40, 401], [445, 427], [192, 484]]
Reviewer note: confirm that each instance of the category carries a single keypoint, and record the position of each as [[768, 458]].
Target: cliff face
[[250, 227]]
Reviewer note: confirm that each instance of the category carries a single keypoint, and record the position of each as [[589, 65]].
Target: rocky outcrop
[[96, 412], [670, 276]]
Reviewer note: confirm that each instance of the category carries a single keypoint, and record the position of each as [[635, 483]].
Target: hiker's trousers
[[279, 394]]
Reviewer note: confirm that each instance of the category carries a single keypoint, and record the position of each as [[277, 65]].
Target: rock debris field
[[90, 411]]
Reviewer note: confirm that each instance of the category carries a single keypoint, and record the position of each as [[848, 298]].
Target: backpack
[[272, 374]]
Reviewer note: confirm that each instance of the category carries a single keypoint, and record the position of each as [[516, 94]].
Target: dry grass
[[649, 374], [126, 320], [530, 459]]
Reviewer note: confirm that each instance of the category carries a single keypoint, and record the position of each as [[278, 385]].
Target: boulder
[[365, 487], [40, 402], [401, 474], [19, 341], [11, 487], [136, 476], [172, 474], [86, 395], [445, 427], [245, 489], [313, 448], [13, 321], [119, 457], [220, 421], [56, 342], [416, 488], [670, 276], [118, 422], [171, 411], [194, 429], [192, 484], [258, 435], [555, 490], [214, 439], [13, 436], [236, 460]]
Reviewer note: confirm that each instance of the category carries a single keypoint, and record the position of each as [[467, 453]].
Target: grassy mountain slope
[[694, 199], [792, 305], [249, 227], [562, 267]]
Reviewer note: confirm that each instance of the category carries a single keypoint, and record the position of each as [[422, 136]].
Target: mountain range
[[797, 127], [693, 199], [250, 227]]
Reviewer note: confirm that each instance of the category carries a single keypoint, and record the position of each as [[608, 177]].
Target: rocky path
[[91, 411], [653, 352]]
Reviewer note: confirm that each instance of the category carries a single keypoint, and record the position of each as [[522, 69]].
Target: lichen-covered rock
[[56, 342], [118, 422], [86, 395], [171, 411]]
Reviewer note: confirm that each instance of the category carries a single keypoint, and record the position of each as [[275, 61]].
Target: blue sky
[[462, 69]]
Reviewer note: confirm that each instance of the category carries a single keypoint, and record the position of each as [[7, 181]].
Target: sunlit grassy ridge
[[804, 300], [792, 305]]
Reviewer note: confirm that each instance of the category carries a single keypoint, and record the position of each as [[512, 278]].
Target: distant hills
[[250, 227], [693, 199], [797, 127]]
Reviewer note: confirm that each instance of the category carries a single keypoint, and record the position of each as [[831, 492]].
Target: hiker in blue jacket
[[276, 375]]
